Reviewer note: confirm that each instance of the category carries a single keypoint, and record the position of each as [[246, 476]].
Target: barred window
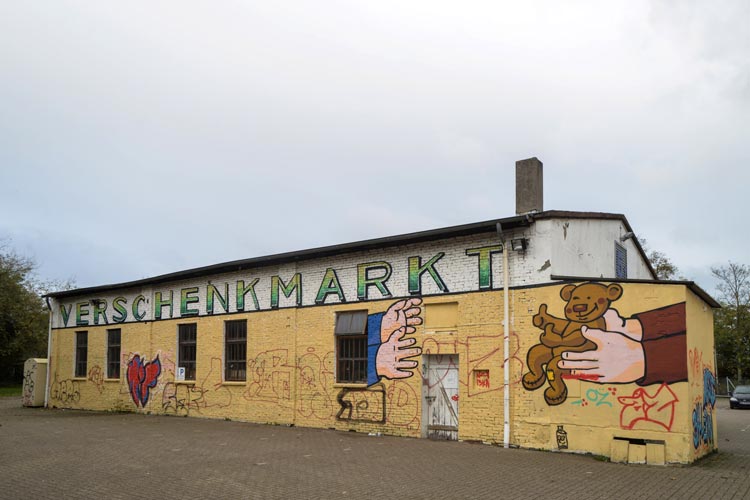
[[82, 351], [621, 261], [235, 350], [351, 347], [187, 340], [113, 353]]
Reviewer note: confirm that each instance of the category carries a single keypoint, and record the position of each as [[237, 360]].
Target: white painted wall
[[586, 247]]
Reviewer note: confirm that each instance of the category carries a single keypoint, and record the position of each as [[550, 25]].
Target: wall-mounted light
[[627, 236], [518, 244]]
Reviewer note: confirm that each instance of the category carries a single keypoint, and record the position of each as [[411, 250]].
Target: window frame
[[113, 363], [192, 365], [80, 366], [239, 356], [621, 255], [350, 333]]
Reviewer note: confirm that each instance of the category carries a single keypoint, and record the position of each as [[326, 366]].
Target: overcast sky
[[140, 138]]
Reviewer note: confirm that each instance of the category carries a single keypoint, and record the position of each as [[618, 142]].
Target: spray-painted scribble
[[28, 385], [482, 378], [187, 398], [96, 376], [65, 391], [703, 412], [597, 397], [270, 377], [362, 405]]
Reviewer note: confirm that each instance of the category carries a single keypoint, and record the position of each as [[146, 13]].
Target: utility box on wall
[[34, 381]]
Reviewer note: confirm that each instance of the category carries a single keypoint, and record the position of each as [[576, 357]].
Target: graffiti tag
[[66, 391], [703, 420], [641, 407], [142, 377]]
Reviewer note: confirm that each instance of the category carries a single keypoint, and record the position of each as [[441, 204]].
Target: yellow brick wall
[[290, 370], [291, 374], [702, 377]]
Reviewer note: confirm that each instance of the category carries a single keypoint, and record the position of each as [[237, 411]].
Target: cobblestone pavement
[[77, 454]]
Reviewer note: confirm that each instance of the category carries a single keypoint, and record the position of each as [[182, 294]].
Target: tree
[[23, 313], [663, 266], [732, 322]]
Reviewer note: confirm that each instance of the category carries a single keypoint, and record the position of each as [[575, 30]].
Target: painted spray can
[[562, 438]]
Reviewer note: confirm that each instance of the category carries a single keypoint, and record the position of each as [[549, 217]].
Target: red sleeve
[[666, 360], [662, 322]]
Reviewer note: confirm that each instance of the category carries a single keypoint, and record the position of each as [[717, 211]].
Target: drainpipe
[[49, 352], [506, 343]]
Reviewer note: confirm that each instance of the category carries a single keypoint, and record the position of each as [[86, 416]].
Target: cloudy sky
[[141, 138]]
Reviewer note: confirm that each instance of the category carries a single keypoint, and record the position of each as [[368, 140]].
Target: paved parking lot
[[76, 454]]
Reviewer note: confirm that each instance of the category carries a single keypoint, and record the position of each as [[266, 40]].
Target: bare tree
[[733, 320], [663, 266]]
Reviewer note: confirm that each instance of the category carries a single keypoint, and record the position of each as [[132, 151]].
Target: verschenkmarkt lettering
[[372, 283]]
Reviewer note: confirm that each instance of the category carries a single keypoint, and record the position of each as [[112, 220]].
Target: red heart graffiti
[[141, 378]]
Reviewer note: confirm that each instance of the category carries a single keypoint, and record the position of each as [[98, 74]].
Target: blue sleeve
[[373, 344]]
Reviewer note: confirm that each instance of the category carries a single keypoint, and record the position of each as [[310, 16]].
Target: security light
[[518, 244]]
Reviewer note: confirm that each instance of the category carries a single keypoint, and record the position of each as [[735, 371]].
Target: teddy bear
[[585, 306]]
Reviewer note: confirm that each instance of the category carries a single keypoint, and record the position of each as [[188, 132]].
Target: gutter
[[49, 353], [506, 343]]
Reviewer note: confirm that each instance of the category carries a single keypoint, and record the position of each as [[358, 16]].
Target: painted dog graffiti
[[642, 407], [142, 377], [585, 306]]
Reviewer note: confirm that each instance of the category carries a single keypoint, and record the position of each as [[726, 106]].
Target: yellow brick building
[[407, 336]]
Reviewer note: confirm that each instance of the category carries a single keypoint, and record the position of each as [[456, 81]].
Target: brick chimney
[[529, 186]]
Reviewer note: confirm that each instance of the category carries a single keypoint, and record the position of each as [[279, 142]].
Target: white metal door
[[441, 396]]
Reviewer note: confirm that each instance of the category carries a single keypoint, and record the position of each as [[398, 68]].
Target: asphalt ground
[[64, 454]]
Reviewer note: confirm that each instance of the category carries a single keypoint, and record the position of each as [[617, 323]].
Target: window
[[235, 350], [187, 339], [351, 347], [621, 261], [113, 353], [82, 351]]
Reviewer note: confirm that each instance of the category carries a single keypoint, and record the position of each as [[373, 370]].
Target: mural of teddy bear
[[585, 306]]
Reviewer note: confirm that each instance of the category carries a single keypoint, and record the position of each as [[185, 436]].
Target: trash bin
[[34, 381]]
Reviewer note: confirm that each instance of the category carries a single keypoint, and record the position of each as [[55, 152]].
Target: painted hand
[[616, 323], [617, 359], [404, 313], [391, 360]]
